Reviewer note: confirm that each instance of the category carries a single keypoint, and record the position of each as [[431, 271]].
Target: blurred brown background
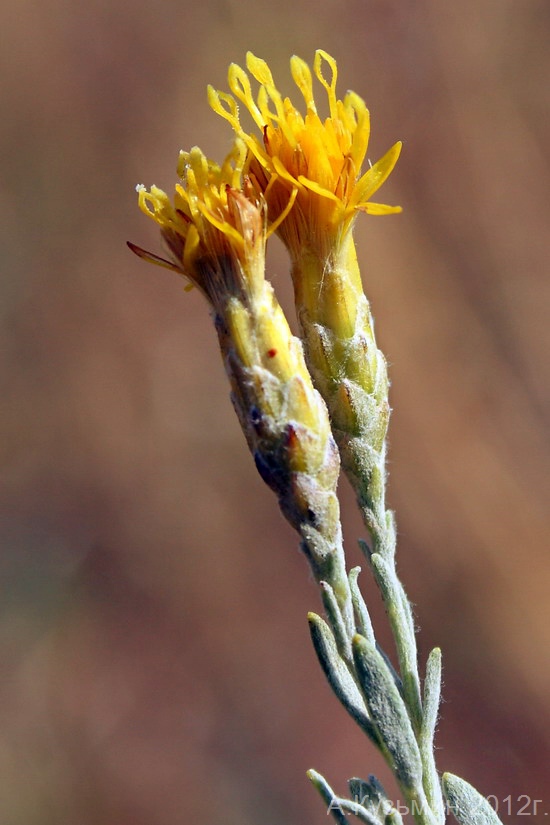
[[155, 661]]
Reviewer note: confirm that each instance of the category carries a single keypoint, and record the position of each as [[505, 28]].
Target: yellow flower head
[[214, 228], [314, 162]]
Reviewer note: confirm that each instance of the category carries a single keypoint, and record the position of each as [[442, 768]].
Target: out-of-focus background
[[154, 657]]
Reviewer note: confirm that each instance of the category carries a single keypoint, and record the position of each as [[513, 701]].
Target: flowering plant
[[308, 404]]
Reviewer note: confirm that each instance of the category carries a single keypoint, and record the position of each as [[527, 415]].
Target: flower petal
[[153, 259], [375, 176], [378, 208], [319, 190]]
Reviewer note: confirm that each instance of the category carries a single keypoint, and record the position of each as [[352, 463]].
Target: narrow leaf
[[331, 800], [389, 714], [361, 611], [400, 615], [467, 805], [338, 675], [336, 621], [432, 695]]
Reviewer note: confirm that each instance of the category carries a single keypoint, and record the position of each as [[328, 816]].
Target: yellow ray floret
[[318, 160]]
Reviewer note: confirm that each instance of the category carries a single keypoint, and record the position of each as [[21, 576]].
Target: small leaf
[[336, 621], [361, 611], [400, 615], [432, 696], [388, 713], [467, 805], [338, 675], [332, 801]]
